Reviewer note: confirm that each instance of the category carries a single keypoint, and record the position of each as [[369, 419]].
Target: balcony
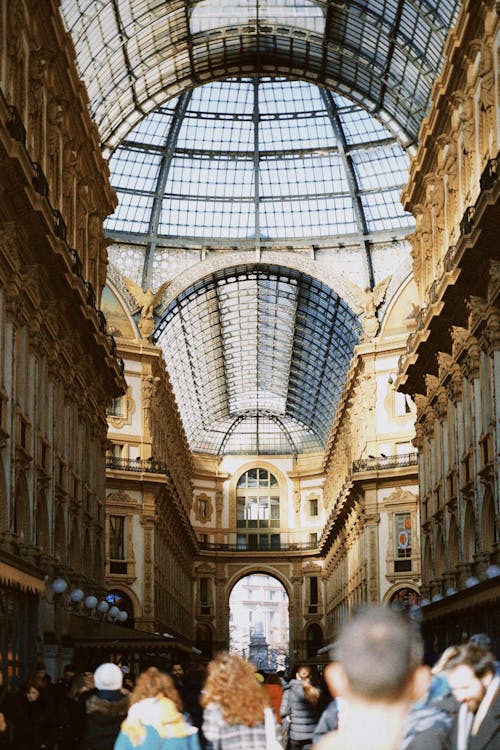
[[276, 547], [379, 463], [138, 465]]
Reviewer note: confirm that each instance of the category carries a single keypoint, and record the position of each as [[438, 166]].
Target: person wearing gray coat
[[301, 704]]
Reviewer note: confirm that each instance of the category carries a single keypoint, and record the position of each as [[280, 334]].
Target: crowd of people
[[375, 694]]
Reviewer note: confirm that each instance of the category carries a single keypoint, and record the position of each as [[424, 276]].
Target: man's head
[[378, 655], [177, 671], [469, 674]]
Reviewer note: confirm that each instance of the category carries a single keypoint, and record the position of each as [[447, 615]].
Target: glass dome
[[259, 161]]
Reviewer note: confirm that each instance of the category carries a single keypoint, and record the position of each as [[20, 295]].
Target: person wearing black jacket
[[105, 709]]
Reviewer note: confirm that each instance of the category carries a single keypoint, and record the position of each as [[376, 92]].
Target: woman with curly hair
[[155, 717], [234, 703]]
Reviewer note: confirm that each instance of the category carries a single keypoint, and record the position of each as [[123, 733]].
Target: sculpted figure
[[38, 66], [368, 301], [146, 301]]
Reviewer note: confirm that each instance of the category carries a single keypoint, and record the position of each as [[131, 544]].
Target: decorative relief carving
[[431, 383], [460, 337], [445, 363], [477, 307], [203, 508]]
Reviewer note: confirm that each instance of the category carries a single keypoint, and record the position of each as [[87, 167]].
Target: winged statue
[[368, 300], [146, 301]]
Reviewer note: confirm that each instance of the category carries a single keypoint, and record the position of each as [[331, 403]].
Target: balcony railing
[[281, 547], [150, 465], [377, 463]]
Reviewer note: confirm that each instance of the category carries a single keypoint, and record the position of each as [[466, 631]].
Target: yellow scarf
[[159, 713]]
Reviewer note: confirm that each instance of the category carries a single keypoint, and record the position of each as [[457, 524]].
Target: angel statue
[[368, 301], [146, 301]]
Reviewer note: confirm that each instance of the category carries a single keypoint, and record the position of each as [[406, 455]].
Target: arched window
[[258, 510]]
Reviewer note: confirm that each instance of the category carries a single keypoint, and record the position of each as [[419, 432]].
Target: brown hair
[[232, 684], [151, 683]]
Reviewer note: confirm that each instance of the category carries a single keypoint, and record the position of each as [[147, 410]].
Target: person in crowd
[[272, 684], [379, 673], [33, 718], [63, 684], [105, 709], [70, 712], [483, 640], [328, 721], [188, 692], [155, 720], [427, 724], [234, 703], [6, 725], [472, 678], [302, 706]]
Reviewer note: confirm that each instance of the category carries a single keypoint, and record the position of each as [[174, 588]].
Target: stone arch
[[469, 535], [260, 626], [4, 500], [488, 521], [22, 511], [308, 266], [396, 590], [42, 527], [129, 602], [264, 569]]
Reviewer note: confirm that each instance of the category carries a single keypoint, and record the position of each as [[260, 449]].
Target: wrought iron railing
[[150, 465], [375, 463], [275, 547]]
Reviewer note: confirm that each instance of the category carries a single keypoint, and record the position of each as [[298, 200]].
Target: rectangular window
[[313, 506], [402, 531], [402, 404], [313, 590], [117, 537], [204, 592], [313, 539]]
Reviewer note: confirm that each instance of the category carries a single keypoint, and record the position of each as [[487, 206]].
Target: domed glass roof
[[259, 160]]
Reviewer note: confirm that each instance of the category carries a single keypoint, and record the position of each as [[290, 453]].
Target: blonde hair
[[151, 683], [231, 683]]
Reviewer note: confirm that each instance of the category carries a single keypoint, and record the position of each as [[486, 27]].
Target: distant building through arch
[[259, 621]]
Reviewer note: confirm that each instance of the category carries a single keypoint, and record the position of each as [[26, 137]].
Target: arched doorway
[[259, 621]]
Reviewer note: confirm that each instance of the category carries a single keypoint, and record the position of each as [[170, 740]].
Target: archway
[[259, 621]]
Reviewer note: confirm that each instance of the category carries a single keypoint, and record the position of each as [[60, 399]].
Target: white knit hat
[[108, 677]]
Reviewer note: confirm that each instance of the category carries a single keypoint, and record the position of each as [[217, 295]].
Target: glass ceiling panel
[[258, 158], [212, 14], [258, 356]]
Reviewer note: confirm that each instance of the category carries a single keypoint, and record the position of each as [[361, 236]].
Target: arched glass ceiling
[[135, 54], [259, 160], [258, 357]]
